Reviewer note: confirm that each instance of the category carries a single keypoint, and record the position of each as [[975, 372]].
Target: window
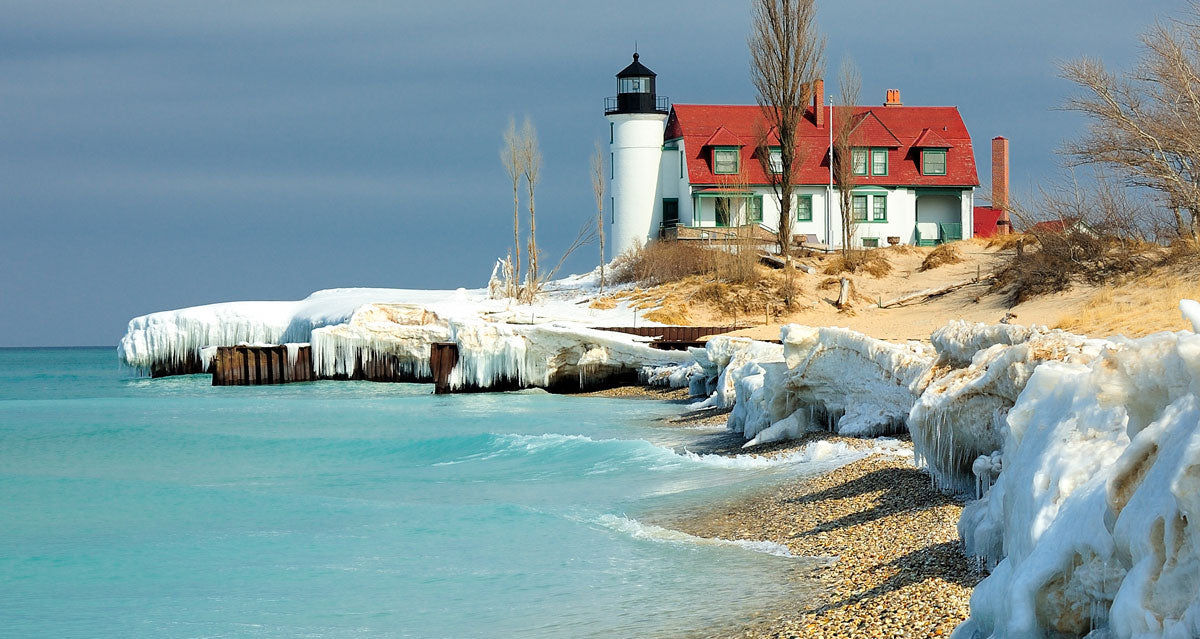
[[775, 160], [870, 242], [611, 132], [754, 209], [804, 208], [933, 161], [635, 85], [725, 160], [858, 211], [681, 163], [722, 211], [879, 208], [879, 161], [612, 164], [858, 161]]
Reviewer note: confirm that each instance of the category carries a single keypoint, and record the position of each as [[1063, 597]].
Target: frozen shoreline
[[1082, 455]]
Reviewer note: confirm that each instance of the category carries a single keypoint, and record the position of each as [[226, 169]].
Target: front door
[[722, 211], [670, 213]]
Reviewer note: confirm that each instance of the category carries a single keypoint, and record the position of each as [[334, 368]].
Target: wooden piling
[[260, 365], [443, 357]]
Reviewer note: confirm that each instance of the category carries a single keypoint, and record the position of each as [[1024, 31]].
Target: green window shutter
[[933, 161], [804, 208], [879, 208], [879, 161], [858, 211], [858, 161]]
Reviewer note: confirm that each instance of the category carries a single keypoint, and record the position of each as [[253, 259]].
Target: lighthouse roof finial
[[636, 69]]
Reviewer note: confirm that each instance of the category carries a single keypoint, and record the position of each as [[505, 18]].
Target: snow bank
[[961, 415], [1094, 523]]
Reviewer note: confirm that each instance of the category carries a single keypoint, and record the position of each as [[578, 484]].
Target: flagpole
[[829, 194]]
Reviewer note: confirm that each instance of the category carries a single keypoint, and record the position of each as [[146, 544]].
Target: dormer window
[[725, 160], [775, 160], [933, 161], [858, 161]]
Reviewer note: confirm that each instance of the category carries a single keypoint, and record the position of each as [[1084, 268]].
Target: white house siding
[[902, 207]]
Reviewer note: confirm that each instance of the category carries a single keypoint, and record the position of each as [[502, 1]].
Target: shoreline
[[900, 569]]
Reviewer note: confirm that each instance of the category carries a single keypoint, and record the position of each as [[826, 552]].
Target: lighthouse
[[636, 119]]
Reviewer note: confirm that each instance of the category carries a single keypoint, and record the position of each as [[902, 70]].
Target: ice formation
[[726, 360], [961, 414], [171, 338], [862, 386], [1093, 525], [548, 354], [352, 331], [403, 332], [957, 342]]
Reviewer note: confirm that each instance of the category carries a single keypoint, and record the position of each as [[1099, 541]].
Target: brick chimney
[[818, 92], [1000, 182], [893, 98]]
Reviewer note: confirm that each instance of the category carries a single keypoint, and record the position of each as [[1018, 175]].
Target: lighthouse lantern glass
[[635, 85]]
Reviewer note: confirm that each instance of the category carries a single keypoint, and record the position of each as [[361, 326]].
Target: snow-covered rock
[[961, 415], [1094, 522]]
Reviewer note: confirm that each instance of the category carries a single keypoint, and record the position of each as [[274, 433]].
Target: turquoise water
[[169, 508]]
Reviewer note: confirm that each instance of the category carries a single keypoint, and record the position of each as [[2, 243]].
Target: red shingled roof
[[929, 139], [722, 137], [696, 124], [871, 132]]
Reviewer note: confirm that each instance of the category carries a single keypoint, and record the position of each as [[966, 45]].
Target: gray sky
[[161, 154]]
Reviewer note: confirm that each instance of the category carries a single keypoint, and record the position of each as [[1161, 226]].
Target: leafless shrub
[[660, 262]]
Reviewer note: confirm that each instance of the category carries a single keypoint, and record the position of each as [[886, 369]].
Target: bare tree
[[598, 191], [1145, 124], [513, 161], [786, 56], [531, 163], [844, 169]]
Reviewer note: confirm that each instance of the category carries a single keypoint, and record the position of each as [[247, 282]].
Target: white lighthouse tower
[[637, 118]]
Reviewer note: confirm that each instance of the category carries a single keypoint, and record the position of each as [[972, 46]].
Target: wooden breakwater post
[[443, 357], [261, 365]]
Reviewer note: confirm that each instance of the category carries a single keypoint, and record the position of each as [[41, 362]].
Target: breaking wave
[[639, 530]]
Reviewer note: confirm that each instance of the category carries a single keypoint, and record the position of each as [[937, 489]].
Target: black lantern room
[[635, 91]]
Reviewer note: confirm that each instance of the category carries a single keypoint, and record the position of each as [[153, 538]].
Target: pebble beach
[[896, 566]]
